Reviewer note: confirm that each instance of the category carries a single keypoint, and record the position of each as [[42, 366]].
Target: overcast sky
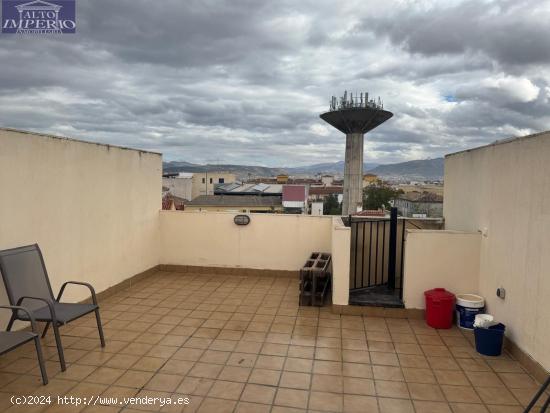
[[245, 81]]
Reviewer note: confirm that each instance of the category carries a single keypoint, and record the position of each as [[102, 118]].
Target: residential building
[[370, 179], [319, 193], [241, 204], [327, 180], [282, 178], [239, 189], [179, 184], [295, 199], [420, 204], [204, 182]]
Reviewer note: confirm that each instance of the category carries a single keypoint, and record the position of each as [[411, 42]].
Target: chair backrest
[[24, 274]]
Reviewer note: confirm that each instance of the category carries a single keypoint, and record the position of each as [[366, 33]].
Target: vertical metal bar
[[363, 257], [376, 259], [383, 250], [370, 251], [402, 255], [356, 249], [392, 248]]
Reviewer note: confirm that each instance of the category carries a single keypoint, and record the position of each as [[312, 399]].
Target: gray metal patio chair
[[10, 340], [26, 280]]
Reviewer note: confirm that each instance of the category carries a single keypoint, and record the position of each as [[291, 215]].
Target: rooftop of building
[[235, 201], [325, 190], [416, 196], [237, 188]]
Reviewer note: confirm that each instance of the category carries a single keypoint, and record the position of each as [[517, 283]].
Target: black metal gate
[[377, 250]]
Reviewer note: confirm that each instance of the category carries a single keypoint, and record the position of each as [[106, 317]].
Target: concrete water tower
[[354, 116]]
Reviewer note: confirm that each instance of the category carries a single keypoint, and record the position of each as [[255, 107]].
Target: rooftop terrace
[[221, 322]]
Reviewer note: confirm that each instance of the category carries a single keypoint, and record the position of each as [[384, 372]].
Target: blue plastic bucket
[[489, 340], [467, 307]]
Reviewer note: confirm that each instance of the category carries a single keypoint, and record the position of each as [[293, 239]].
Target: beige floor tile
[[356, 356], [388, 405], [215, 357], [195, 386], [173, 366], [303, 352], [356, 370], [484, 379], [394, 389], [245, 407], [210, 405], [496, 395], [386, 359], [149, 364], [518, 380], [292, 398], [265, 376], [357, 385], [328, 383], [453, 377], [460, 394], [468, 408], [442, 363], [270, 362], [226, 390], [431, 407], [298, 365], [322, 401], [422, 391], [387, 373], [327, 367], [105, 375], [122, 361], [256, 393], [360, 404], [134, 378], [234, 373], [164, 382], [295, 380], [206, 370]]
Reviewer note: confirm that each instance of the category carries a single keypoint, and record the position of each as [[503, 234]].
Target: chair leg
[[99, 327], [41, 360], [10, 324], [45, 329], [59, 346]]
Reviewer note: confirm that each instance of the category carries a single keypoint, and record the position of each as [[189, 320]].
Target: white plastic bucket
[[467, 307]]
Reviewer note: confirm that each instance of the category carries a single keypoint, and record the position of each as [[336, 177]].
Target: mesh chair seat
[[64, 312], [12, 339], [26, 280]]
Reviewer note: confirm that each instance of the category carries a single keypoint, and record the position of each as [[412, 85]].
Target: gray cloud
[[245, 80]]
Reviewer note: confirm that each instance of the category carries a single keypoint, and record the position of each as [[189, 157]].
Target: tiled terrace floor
[[242, 344]]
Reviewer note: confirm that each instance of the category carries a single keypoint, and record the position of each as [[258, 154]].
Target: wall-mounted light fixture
[[241, 219]]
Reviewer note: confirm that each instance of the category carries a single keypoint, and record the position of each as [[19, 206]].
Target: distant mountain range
[[419, 170]]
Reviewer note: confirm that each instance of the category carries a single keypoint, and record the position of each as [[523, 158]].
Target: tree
[[379, 196], [331, 206]]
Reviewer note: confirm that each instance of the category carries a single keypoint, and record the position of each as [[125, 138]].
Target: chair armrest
[[31, 317], [49, 303], [94, 298]]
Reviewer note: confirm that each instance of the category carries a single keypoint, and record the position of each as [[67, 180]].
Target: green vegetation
[[379, 196], [331, 205]]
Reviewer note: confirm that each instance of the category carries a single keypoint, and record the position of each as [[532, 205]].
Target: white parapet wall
[[92, 208], [434, 258], [269, 241], [341, 244], [503, 191]]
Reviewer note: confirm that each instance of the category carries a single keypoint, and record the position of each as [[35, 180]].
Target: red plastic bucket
[[439, 308]]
